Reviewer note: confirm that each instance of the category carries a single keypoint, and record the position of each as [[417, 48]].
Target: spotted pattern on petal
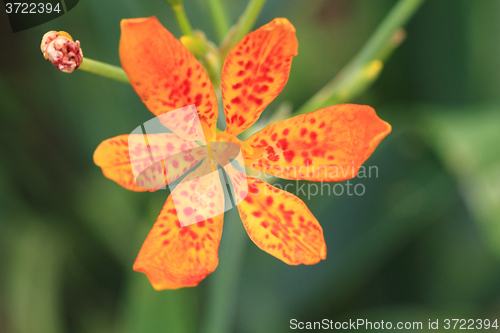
[[164, 74], [113, 156], [281, 224], [325, 145], [173, 256], [255, 72]]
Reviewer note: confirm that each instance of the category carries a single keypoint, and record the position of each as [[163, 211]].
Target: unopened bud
[[60, 49], [196, 44]]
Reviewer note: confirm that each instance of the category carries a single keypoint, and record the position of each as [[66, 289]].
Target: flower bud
[[60, 49], [196, 44]]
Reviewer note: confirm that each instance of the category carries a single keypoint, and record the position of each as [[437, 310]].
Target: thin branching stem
[[243, 26], [364, 68], [182, 20], [219, 18], [103, 69]]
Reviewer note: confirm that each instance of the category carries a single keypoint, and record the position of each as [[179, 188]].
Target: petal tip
[[281, 21], [134, 21], [157, 283], [322, 254], [383, 131]]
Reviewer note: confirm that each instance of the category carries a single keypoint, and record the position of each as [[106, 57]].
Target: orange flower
[[167, 76]]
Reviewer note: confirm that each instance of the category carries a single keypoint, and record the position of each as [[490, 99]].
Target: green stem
[[244, 25], [358, 74], [223, 283], [106, 70], [219, 18], [182, 20]]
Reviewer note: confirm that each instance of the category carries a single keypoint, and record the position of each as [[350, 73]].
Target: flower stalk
[[224, 285], [219, 18], [103, 69], [182, 20]]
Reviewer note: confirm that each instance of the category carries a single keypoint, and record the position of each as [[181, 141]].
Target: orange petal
[[114, 157], [183, 122], [228, 156], [179, 164], [255, 71], [325, 145], [165, 75], [173, 256], [281, 224], [237, 180], [200, 195], [245, 147], [178, 155]]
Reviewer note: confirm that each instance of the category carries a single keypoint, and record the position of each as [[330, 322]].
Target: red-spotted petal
[[255, 71], [281, 224], [173, 256], [140, 165], [237, 180], [328, 145], [165, 75], [113, 156], [200, 195], [178, 155]]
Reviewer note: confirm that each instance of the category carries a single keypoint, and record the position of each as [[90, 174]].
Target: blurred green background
[[422, 243]]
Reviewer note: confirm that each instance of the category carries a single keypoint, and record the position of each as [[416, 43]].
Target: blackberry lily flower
[[166, 76]]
